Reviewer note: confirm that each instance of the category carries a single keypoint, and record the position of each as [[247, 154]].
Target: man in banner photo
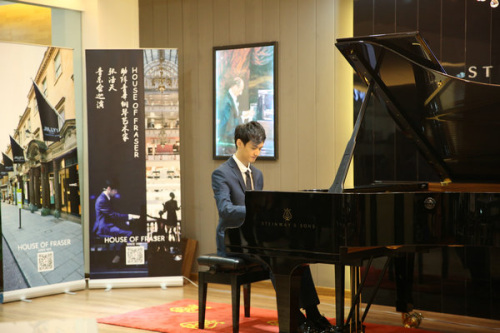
[[110, 223]]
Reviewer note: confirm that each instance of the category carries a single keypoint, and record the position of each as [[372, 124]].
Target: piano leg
[[339, 298], [355, 301], [354, 322], [403, 269], [287, 295]]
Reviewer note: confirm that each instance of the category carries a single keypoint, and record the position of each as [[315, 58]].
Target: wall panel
[[477, 38], [406, 20], [253, 21], [160, 26], [146, 23], [429, 23], [453, 43], [306, 86], [237, 21], [384, 18], [495, 45], [173, 20], [221, 22], [271, 32], [203, 115], [363, 16], [270, 20], [189, 112], [288, 76]]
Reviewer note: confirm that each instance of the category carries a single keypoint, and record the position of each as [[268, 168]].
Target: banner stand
[[161, 281], [58, 288]]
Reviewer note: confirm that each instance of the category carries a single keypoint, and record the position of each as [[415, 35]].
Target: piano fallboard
[[322, 226]]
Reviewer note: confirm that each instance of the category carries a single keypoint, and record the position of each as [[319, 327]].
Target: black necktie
[[248, 181]]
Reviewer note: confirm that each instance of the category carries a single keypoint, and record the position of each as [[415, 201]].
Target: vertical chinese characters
[[124, 104], [124, 83], [99, 87]]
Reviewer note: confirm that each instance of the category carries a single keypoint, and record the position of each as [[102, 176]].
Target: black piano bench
[[233, 271]]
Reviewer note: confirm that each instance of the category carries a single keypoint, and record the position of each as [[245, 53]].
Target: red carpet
[[182, 316]]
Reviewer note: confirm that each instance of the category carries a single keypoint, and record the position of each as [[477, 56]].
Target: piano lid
[[454, 122]]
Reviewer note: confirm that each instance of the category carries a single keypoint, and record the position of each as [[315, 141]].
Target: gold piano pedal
[[412, 319]]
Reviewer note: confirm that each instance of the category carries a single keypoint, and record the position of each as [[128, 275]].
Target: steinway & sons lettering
[[285, 224]]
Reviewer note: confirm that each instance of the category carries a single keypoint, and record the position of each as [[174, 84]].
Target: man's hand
[[248, 115]]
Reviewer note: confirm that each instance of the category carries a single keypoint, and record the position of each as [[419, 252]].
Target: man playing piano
[[229, 182]]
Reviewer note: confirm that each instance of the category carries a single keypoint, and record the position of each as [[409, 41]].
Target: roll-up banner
[[134, 173], [42, 236]]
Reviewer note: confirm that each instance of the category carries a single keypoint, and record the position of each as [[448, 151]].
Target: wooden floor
[[90, 304]]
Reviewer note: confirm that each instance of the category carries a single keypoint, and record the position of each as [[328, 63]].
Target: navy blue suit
[[229, 119], [107, 220], [229, 192]]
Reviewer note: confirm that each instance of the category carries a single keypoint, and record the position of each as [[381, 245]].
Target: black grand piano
[[455, 125]]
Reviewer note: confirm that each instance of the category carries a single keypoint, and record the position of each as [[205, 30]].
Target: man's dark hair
[[251, 131], [236, 81], [112, 183]]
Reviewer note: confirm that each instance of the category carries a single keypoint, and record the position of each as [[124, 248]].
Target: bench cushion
[[223, 263]]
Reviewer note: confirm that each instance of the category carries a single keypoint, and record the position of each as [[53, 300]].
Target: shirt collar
[[234, 97], [107, 196], [241, 166]]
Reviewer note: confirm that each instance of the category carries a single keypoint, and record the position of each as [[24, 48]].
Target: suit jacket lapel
[[256, 178], [237, 173]]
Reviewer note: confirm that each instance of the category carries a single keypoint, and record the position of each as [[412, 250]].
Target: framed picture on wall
[[245, 89]]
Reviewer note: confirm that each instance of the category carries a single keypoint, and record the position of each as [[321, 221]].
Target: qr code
[[135, 255], [45, 261]]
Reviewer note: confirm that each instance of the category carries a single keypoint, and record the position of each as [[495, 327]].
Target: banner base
[[58, 288], [163, 282]]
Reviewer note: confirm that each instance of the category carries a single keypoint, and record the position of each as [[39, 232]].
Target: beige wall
[[314, 92]]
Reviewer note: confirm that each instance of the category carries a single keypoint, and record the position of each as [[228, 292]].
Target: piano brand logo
[[287, 222], [287, 214]]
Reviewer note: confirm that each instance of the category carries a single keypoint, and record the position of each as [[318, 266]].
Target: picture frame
[[247, 73]]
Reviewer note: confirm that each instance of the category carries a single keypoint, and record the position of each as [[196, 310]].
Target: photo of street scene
[[39, 185]]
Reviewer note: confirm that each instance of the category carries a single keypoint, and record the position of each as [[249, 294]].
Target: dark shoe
[[322, 324], [307, 326]]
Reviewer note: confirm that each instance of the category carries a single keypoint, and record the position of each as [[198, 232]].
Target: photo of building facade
[[49, 177]]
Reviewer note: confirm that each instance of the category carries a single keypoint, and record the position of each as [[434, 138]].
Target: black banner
[[48, 117], [7, 162], [17, 152], [117, 184], [3, 172]]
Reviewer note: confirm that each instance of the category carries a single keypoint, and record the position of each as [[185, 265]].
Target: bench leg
[[246, 298], [202, 300], [235, 295]]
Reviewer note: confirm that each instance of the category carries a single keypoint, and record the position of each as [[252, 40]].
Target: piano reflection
[[455, 125]]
